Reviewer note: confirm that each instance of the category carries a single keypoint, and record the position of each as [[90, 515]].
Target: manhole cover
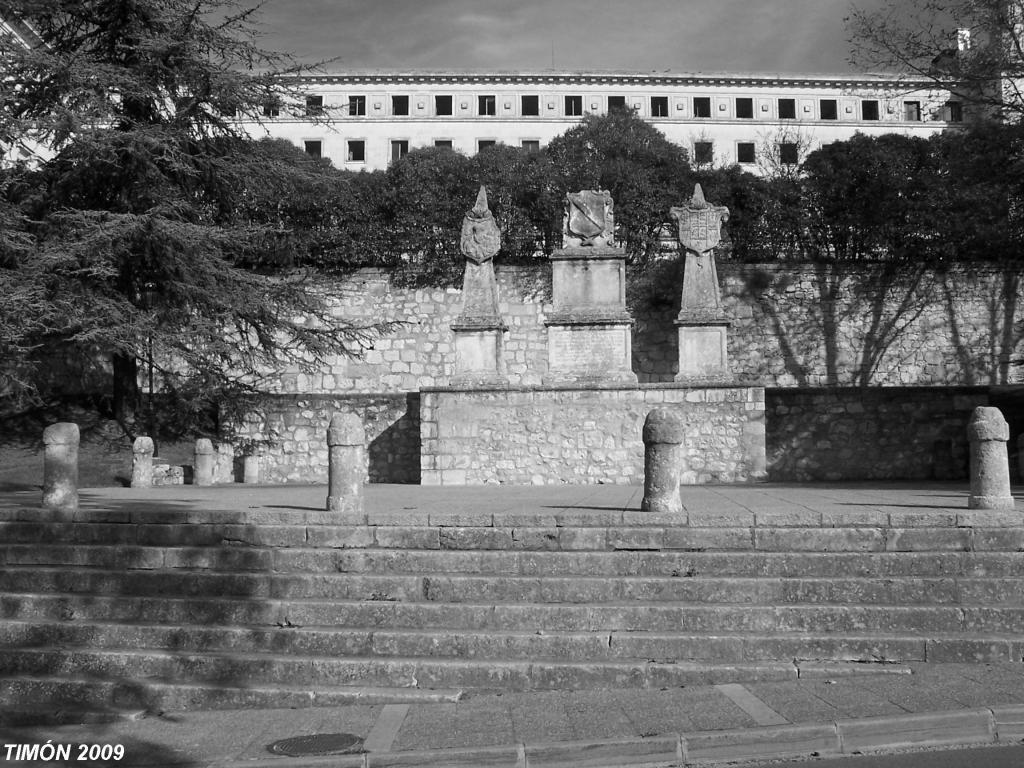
[[317, 744]]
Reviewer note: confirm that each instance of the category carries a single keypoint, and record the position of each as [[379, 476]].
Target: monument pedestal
[[478, 355], [589, 329], [585, 350], [703, 350]]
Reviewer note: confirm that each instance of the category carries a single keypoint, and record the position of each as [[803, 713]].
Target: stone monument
[[589, 329], [479, 328], [702, 323]]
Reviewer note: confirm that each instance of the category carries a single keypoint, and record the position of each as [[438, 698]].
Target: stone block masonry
[[878, 433], [793, 325], [569, 435], [296, 429]]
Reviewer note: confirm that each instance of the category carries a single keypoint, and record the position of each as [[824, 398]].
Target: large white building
[[755, 120]]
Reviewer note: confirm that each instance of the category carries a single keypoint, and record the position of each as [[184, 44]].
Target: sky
[[805, 36]]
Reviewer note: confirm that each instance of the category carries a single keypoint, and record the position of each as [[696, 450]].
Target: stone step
[[519, 562], [486, 616], [27, 700], [568, 538], [795, 516], [462, 588], [518, 645], [264, 670], [786, 516]]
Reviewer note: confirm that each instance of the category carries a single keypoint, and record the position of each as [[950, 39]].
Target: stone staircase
[[170, 608]]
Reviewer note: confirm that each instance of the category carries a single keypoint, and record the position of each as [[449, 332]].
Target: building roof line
[[617, 77]]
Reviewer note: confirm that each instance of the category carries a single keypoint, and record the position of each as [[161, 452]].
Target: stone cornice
[[668, 79]]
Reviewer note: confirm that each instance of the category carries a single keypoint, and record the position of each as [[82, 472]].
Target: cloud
[[695, 35]]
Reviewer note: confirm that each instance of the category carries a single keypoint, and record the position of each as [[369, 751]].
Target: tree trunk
[[126, 387]]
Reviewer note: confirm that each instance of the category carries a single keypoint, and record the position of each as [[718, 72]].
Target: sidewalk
[[914, 706]]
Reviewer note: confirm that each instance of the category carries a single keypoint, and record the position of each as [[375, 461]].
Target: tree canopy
[[148, 227]]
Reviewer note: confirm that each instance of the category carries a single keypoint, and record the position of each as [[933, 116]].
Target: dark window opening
[[531, 106], [314, 106], [787, 109], [953, 112], [487, 106], [869, 110], [399, 105], [531, 145], [314, 148], [617, 103], [272, 109], [789, 153], [483, 144], [443, 143], [912, 111], [443, 105], [357, 105], [829, 109], [573, 106], [745, 152], [356, 151], [659, 106], [703, 152], [702, 106], [745, 109], [399, 149]]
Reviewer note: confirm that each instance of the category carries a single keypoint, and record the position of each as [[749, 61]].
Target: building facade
[[365, 121]]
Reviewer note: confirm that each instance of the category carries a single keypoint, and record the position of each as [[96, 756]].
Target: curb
[[995, 725]]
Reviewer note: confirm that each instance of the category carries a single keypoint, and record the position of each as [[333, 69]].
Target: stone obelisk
[[479, 329], [702, 322]]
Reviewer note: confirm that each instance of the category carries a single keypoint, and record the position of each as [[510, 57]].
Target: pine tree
[[146, 223]]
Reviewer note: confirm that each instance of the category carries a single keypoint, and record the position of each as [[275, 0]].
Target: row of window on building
[[573, 106], [787, 153]]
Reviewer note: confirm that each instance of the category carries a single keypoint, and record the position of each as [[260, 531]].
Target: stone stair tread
[[87, 625], [666, 538], [427, 562], [52, 699]]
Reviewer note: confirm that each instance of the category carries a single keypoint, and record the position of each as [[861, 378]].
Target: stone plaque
[[592, 349], [699, 223]]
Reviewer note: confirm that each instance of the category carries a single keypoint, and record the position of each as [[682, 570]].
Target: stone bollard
[[60, 467], [346, 440], [251, 469], [988, 434], [202, 472], [142, 462], [663, 435]]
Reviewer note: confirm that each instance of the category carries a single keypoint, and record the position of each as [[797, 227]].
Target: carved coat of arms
[[700, 223], [589, 219], [481, 238]]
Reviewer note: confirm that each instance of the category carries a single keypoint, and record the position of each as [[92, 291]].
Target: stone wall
[[800, 326], [289, 432], [564, 435], [817, 325], [879, 433], [794, 325]]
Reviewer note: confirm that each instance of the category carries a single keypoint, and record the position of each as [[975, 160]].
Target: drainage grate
[[317, 744]]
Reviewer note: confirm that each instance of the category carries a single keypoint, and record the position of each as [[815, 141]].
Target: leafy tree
[[155, 230], [926, 39], [869, 197], [428, 193], [645, 172]]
